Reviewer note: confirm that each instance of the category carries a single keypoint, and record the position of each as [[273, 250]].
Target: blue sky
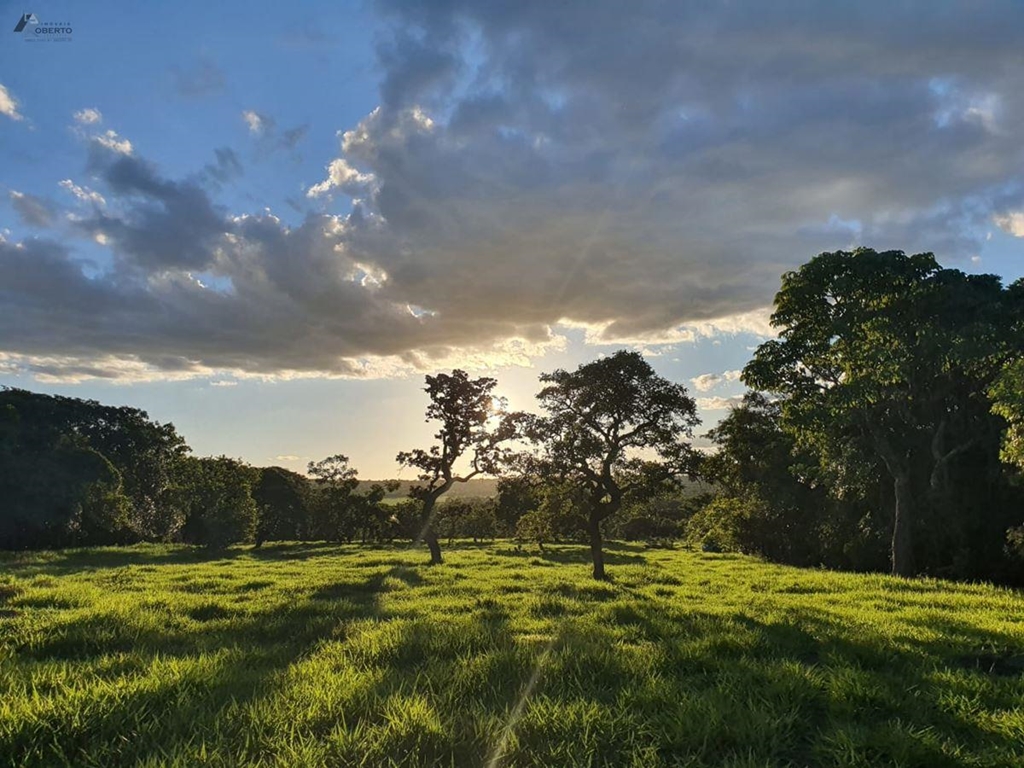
[[266, 226]]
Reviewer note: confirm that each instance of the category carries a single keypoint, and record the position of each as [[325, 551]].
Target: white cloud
[[719, 403], [224, 383], [708, 381], [83, 194], [9, 105], [254, 120], [1011, 223], [88, 116], [340, 175], [114, 143]]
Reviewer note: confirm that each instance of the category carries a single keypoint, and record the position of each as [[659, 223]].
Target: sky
[[266, 227]]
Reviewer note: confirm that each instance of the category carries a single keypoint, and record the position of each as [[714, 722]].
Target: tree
[[611, 427], [142, 451], [216, 495], [282, 498], [518, 494], [659, 517], [888, 357], [780, 482], [56, 487], [465, 409], [536, 526], [335, 483], [371, 514]]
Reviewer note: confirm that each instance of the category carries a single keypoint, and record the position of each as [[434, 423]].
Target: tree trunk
[[429, 535], [596, 552], [902, 541], [902, 551], [435, 547]]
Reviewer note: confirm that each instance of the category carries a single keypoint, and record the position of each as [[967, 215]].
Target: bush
[[723, 525]]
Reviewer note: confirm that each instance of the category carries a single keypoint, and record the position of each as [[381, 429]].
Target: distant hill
[[481, 488], [487, 488]]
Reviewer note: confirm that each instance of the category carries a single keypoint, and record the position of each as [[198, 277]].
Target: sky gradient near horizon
[[266, 227]]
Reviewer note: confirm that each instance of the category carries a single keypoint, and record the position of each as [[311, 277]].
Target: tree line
[[883, 430]]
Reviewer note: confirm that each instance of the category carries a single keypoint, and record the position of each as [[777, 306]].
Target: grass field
[[313, 655]]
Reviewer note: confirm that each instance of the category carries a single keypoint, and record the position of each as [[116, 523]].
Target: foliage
[[216, 497], [333, 513], [725, 524], [659, 517], [141, 451], [55, 489], [283, 503], [517, 494], [885, 358], [536, 526], [796, 511], [320, 655], [1007, 394]]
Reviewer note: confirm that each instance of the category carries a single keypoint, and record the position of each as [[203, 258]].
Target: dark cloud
[[290, 138], [204, 78], [162, 224], [269, 139], [635, 168], [33, 211], [227, 166]]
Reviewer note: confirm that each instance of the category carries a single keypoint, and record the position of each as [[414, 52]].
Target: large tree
[[612, 426], [466, 411], [888, 355]]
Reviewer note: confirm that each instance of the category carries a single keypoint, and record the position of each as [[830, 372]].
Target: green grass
[[312, 655]]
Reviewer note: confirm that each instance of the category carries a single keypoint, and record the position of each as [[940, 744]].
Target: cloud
[[340, 175], [9, 105], [88, 116], [203, 79], [649, 187], [224, 383], [290, 138], [227, 166], [257, 123], [708, 381], [719, 403], [1011, 223], [110, 140], [82, 194], [34, 211], [265, 127]]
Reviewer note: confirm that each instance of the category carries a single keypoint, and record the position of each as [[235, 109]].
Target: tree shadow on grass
[[235, 662], [65, 561], [575, 554]]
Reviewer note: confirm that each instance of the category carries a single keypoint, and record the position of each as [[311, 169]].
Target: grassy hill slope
[[323, 655]]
